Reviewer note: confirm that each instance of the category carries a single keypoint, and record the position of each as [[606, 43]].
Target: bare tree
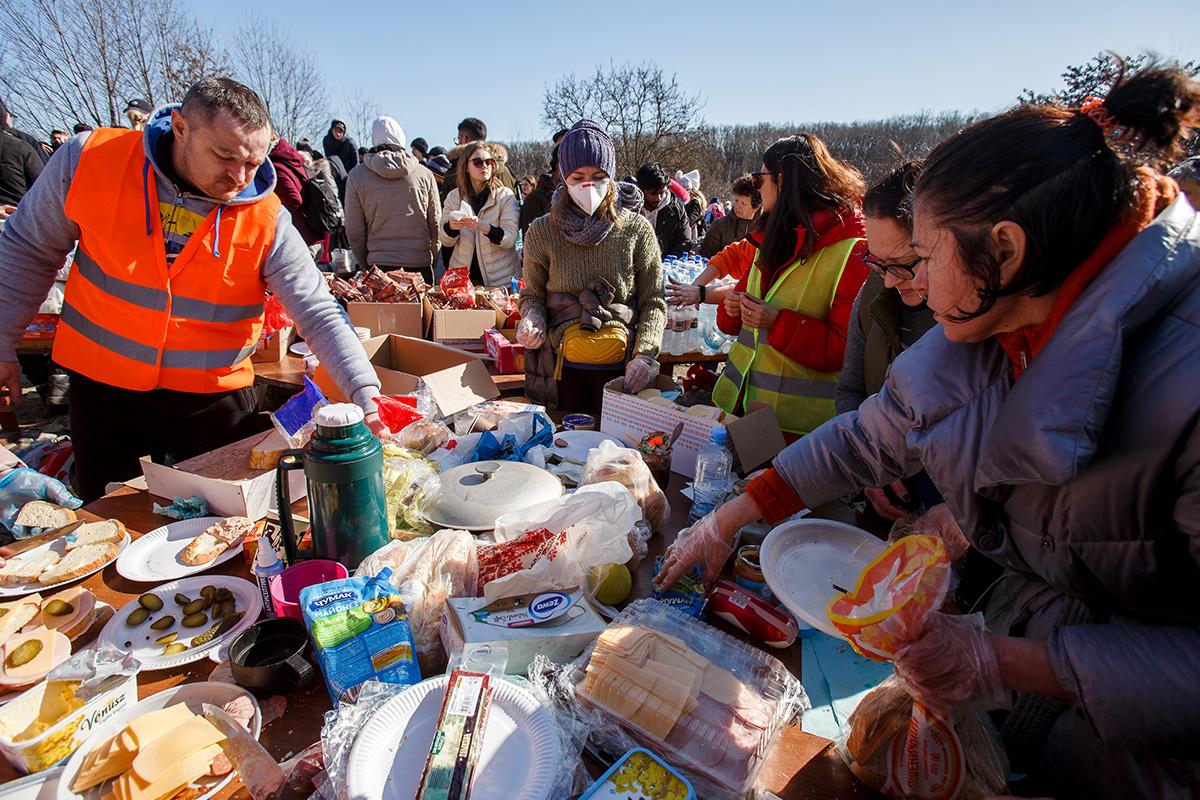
[[286, 77], [645, 111], [361, 110], [81, 60]]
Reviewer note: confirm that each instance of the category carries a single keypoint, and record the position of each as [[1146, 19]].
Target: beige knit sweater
[[628, 258]]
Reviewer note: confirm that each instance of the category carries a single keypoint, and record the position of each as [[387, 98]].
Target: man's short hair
[[80, 127], [207, 96], [56, 130], [474, 127], [744, 185], [652, 177]]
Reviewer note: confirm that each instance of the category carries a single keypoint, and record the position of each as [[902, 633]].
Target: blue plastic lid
[[719, 435]]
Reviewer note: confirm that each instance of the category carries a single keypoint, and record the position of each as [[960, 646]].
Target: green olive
[[174, 648], [170, 637], [24, 653], [59, 608], [151, 602], [162, 623], [194, 607], [194, 620], [139, 615], [182, 599]]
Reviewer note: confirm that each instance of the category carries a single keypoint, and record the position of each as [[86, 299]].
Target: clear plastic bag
[[423, 436], [341, 729], [719, 743], [410, 483], [426, 572], [611, 462]]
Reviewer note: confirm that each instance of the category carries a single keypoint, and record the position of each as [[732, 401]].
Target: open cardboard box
[[755, 438], [271, 349], [224, 479], [456, 380], [458, 324], [404, 319]]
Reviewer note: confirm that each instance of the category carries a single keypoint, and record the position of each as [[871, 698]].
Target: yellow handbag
[[605, 346]]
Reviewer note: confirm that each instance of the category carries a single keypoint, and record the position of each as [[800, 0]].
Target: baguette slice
[[79, 562], [203, 549], [28, 568], [108, 531], [40, 514]]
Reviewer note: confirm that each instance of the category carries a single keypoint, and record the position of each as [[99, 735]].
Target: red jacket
[[819, 344], [290, 174]]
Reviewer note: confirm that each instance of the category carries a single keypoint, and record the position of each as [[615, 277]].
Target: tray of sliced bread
[[87, 549]]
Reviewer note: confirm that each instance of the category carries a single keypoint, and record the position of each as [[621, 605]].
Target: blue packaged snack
[[688, 594], [360, 630]]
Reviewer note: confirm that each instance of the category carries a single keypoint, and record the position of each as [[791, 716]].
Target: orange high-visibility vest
[[127, 320]]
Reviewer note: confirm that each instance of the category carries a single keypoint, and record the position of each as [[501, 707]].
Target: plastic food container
[[640, 775], [64, 736]]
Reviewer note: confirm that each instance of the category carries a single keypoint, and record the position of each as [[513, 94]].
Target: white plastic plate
[[579, 444], [194, 695], [158, 556], [140, 640], [520, 754], [59, 546], [807, 561]]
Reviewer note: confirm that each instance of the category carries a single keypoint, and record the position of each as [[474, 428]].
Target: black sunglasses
[[480, 163], [757, 177], [905, 272]]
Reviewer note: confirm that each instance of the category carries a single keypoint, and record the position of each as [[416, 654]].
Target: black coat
[[673, 230], [343, 148], [19, 167]]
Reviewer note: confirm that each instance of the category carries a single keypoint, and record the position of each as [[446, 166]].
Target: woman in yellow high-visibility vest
[[791, 309]]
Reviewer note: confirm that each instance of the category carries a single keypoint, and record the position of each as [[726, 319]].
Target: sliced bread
[[16, 614], [40, 514], [107, 531], [79, 562], [29, 568], [266, 454], [218, 538]]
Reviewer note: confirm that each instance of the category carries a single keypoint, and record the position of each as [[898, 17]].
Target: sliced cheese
[[172, 779], [103, 762], [83, 603], [56, 649], [148, 727], [17, 614], [156, 759], [721, 685]]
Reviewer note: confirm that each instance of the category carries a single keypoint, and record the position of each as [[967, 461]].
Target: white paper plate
[[520, 746], [141, 638], [300, 349], [194, 696], [38, 786], [157, 556], [579, 443], [803, 561], [59, 546]]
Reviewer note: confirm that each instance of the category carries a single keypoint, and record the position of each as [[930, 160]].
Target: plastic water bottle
[[713, 465]]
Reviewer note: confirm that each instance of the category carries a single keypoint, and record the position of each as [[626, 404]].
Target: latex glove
[[952, 668], [639, 372], [682, 294], [703, 543], [940, 521], [531, 331], [23, 485]]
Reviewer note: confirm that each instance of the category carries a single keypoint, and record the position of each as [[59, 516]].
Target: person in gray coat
[[1057, 410], [392, 206]]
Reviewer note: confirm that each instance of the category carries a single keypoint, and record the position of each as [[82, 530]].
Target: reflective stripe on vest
[[132, 321], [801, 397]]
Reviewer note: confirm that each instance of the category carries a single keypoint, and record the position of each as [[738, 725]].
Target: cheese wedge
[[171, 779], [55, 649], [157, 758], [148, 727]]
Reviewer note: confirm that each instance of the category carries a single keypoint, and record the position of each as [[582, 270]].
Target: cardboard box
[[224, 479], [755, 438], [271, 349], [506, 353], [448, 325], [403, 319], [559, 639], [456, 380]]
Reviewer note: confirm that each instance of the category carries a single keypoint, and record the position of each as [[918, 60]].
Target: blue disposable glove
[[22, 485]]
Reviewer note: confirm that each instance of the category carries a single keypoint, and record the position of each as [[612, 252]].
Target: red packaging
[[509, 356], [748, 612], [397, 413], [42, 326], [456, 283]]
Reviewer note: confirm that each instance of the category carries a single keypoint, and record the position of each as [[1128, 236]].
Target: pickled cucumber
[[162, 623], [194, 620], [23, 654], [151, 602], [58, 608], [139, 615]]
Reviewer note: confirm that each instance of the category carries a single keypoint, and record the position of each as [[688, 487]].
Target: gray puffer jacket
[[1083, 480], [392, 211]]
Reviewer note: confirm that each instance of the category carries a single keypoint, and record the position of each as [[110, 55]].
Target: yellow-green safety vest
[[801, 397]]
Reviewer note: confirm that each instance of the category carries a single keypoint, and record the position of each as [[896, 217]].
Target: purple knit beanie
[[586, 145]]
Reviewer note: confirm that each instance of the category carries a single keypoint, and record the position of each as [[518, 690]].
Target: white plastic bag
[[555, 543], [611, 462]]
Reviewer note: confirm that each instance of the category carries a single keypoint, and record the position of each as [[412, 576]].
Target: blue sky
[[430, 64]]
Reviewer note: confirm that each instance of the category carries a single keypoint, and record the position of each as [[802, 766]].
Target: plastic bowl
[[287, 585]]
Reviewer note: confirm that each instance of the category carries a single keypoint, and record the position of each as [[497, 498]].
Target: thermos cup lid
[[339, 415]]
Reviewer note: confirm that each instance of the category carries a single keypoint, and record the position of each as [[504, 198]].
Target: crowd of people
[[1001, 336]]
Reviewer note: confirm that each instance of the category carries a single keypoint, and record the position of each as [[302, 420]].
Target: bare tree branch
[[285, 76]]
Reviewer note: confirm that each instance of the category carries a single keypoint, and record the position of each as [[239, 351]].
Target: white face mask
[[589, 194]]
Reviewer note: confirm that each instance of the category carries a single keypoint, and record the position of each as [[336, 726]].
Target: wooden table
[[289, 374], [800, 766]]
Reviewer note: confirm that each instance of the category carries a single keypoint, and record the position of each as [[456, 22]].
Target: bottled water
[[713, 466]]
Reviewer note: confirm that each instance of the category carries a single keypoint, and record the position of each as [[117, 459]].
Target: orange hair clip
[[1093, 108]]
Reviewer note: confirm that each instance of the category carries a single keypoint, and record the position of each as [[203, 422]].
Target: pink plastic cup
[[287, 585]]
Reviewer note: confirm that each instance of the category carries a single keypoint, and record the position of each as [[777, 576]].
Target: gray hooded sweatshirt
[[37, 238], [392, 211]]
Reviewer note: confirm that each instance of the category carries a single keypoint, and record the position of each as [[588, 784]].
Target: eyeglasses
[[905, 272], [757, 177], [480, 163]]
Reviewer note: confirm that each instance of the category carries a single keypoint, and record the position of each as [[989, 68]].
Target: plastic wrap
[[341, 729], [410, 483], [426, 572], [423, 436], [275, 318], [719, 746], [611, 462]]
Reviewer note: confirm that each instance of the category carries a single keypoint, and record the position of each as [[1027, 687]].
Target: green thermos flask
[[343, 467]]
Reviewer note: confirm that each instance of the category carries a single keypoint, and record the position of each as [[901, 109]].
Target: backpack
[[320, 205]]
